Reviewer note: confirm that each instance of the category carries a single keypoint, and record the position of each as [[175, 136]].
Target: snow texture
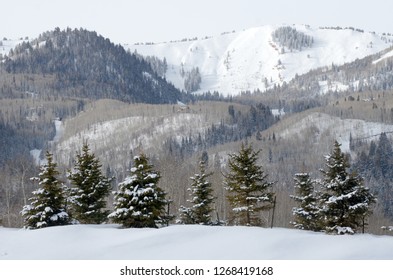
[[187, 242], [250, 59]]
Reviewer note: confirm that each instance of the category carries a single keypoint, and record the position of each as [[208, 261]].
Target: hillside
[[84, 64], [263, 57], [53, 76]]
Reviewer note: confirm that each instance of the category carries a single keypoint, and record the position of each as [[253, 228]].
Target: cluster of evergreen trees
[[192, 80], [340, 205], [292, 39], [249, 192], [375, 163], [53, 203], [139, 201], [238, 126]]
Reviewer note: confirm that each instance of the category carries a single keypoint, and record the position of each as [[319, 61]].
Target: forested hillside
[[84, 64], [53, 76]]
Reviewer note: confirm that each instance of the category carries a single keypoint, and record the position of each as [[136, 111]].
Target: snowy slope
[[7, 45], [187, 242], [129, 133], [384, 57], [245, 60], [325, 124]]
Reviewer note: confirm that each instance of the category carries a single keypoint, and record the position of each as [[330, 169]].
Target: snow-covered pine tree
[[140, 202], [345, 202], [249, 190], [306, 215], [89, 190], [201, 199], [47, 207]]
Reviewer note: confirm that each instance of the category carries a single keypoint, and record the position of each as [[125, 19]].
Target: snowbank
[[109, 242]]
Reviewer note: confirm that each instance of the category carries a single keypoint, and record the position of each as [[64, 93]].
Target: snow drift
[[109, 242]]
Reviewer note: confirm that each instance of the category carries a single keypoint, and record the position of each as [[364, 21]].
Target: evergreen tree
[[47, 207], [201, 199], [89, 190], [307, 213], [140, 202], [345, 202], [247, 186], [383, 158]]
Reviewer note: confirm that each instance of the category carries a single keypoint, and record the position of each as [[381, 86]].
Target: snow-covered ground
[[383, 57], [325, 124], [246, 60], [187, 242]]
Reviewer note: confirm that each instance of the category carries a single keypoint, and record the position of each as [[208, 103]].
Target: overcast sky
[[130, 21]]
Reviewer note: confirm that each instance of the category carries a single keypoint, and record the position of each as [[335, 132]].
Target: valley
[[339, 87]]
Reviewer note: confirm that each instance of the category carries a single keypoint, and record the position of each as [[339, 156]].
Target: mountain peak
[[263, 57], [85, 64]]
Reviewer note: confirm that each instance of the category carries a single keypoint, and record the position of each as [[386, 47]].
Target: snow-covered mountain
[[256, 59]]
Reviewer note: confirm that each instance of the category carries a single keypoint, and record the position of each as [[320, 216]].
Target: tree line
[[340, 206]]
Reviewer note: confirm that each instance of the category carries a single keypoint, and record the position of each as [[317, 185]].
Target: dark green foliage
[[375, 164], [140, 202], [345, 203], [249, 192], [85, 64], [192, 80], [307, 214], [201, 199], [89, 190], [47, 207], [292, 39], [20, 137], [240, 126]]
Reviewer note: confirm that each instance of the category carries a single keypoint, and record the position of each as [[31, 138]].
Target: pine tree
[[47, 207], [89, 190], [248, 187], [140, 202], [345, 202], [201, 199], [307, 213]]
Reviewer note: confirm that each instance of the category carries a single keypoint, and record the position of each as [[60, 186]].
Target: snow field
[[241, 61], [188, 242]]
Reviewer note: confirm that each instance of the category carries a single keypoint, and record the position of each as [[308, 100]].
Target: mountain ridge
[[85, 64], [252, 60]]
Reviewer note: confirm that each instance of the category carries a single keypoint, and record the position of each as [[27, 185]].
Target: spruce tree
[[307, 214], [249, 190], [140, 202], [89, 190], [345, 201], [47, 207], [201, 199]]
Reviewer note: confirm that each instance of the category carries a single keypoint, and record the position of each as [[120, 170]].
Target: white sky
[[130, 21]]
